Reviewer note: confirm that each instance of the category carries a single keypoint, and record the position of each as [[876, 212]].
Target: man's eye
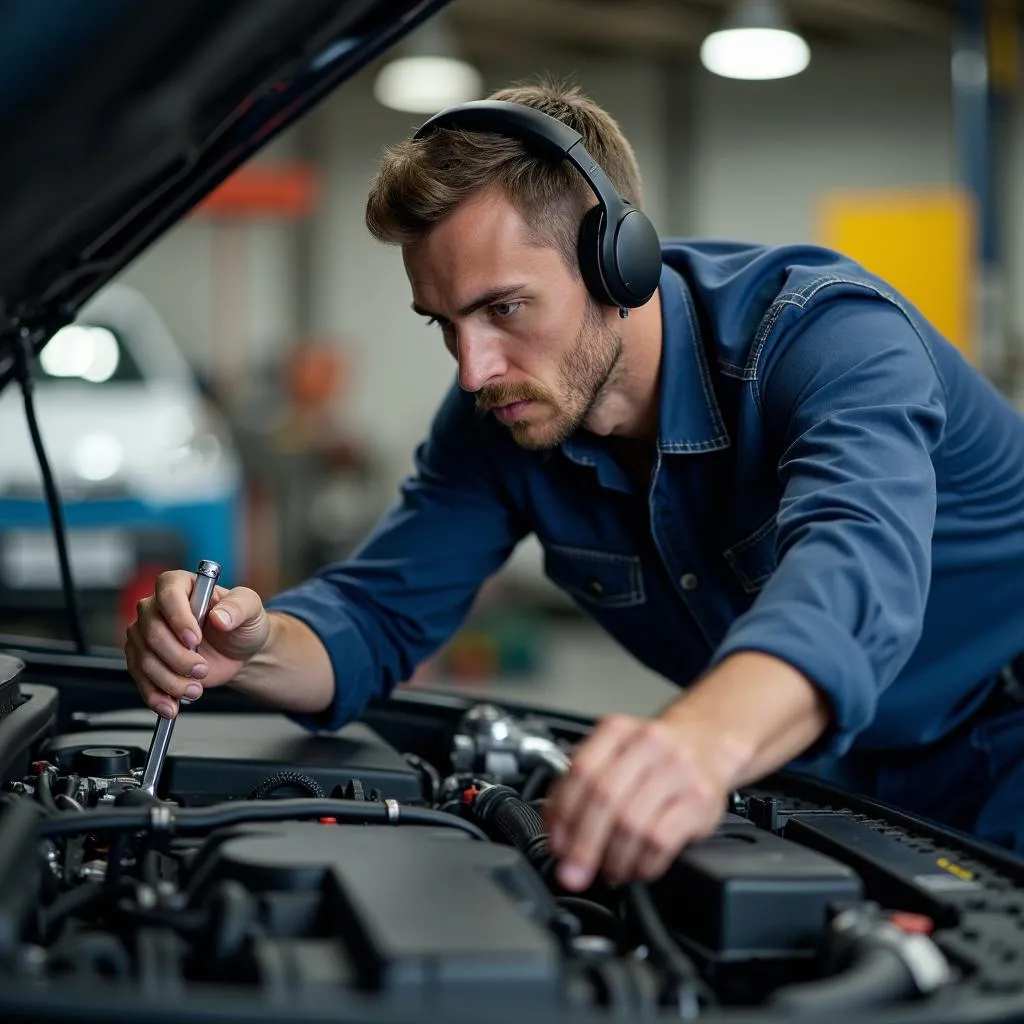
[[503, 309], [434, 322]]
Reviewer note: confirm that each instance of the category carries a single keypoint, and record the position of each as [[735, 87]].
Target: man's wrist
[[262, 658], [753, 713], [727, 751]]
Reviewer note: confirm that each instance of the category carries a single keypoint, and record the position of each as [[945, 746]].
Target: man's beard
[[585, 371]]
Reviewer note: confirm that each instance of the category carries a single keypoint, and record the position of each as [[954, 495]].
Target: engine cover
[[405, 911], [215, 757]]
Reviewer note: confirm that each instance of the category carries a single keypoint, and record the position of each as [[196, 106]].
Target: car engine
[[293, 870]]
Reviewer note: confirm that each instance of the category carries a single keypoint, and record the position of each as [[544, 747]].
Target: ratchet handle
[[207, 575]]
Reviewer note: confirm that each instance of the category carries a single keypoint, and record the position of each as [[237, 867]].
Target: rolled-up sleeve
[[409, 586], [855, 404]]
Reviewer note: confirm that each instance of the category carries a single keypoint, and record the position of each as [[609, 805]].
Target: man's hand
[[637, 792], [159, 642], [641, 789]]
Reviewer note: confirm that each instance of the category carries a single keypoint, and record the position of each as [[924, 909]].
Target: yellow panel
[[921, 241]]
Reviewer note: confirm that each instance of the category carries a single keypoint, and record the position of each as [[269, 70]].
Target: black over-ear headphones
[[619, 251]]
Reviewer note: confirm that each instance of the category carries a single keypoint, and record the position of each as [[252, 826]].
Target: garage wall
[[764, 154], [719, 157]]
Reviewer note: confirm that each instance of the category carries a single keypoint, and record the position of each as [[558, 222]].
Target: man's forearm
[[292, 672], [761, 711]]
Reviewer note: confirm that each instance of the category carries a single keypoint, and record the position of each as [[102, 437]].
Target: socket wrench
[[206, 579]]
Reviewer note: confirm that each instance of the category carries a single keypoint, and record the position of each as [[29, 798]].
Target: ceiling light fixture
[[430, 75], [755, 43]]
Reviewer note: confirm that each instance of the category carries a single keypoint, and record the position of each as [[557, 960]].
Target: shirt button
[[595, 588], [688, 581]]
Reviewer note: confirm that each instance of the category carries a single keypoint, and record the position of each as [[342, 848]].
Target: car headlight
[[96, 456]]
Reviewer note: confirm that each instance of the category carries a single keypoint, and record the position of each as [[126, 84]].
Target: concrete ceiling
[[487, 28]]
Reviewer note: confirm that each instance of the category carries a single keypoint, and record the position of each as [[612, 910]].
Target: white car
[[143, 464]]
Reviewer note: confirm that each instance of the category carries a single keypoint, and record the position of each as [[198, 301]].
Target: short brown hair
[[421, 182]]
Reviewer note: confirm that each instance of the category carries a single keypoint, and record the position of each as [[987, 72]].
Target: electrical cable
[[666, 952], [595, 918], [23, 371], [168, 818]]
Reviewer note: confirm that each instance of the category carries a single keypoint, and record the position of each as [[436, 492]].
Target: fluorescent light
[[755, 44], [428, 74], [424, 85], [755, 53]]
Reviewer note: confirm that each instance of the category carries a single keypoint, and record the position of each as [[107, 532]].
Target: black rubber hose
[[75, 901], [291, 780], [232, 912], [44, 792], [430, 775], [507, 819], [878, 977], [171, 819], [665, 951], [540, 778], [594, 918]]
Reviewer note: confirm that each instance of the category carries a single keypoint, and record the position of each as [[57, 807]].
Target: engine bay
[[401, 864]]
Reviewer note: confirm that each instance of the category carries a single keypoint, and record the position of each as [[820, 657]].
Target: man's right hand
[[159, 642]]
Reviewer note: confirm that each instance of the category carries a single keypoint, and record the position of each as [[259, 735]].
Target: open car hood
[[117, 118]]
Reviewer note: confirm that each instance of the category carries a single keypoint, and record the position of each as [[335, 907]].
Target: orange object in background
[[288, 191], [314, 374], [921, 241]]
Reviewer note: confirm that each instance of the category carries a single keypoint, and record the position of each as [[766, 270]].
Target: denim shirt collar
[[689, 419]]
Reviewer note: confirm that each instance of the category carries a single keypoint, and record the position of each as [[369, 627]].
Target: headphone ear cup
[[589, 251], [637, 259]]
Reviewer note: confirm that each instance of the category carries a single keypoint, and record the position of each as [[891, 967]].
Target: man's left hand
[[637, 792]]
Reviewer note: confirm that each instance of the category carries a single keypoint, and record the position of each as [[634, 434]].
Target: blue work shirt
[[833, 485]]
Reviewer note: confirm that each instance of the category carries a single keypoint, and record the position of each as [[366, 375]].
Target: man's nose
[[480, 361]]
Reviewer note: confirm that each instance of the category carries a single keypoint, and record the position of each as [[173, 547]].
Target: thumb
[[238, 607], [224, 616]]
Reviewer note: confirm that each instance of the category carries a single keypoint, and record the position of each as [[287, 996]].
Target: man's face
[[529, 340]]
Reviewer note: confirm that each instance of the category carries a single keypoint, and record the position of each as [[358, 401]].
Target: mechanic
[[773, 482]]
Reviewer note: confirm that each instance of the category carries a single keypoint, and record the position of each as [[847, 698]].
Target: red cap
[[914, 924]]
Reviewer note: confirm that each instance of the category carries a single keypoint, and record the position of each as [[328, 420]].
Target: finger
[[152, 631], [677, 825], [146, 666], [238, 607], [590, 762], [173, 592], [590, 831], [153, 697], [637, 823]]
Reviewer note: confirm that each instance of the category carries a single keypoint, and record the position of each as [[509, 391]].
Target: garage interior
[[297, 328]]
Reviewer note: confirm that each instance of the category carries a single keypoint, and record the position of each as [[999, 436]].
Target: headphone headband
[[620, 255], [554, 138]]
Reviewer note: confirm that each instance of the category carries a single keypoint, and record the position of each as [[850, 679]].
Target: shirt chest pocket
[[753, 559], [596, 578]]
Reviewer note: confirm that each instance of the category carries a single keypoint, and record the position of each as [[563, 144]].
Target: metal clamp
[[161, 818]]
